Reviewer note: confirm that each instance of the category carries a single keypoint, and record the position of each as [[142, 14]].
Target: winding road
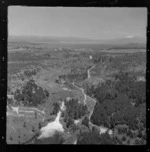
[[88, 71], [83, 92], [18, 111], [101, 128]]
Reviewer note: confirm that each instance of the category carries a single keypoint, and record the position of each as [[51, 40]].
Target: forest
[[31, 94], [122, 102]]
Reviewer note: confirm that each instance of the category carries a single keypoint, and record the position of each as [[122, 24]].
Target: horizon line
[[52, 36]]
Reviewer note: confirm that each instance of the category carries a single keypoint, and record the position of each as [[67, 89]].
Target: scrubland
[[40, 78]]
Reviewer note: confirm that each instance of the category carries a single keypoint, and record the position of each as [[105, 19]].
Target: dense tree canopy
[[114, 104], [55, 139], [31, 94], [74, 109], [94, 137]]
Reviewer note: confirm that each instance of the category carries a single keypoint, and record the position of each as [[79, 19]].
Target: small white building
[[68, 98], [10, 96], [90, 57], [104, 130], [76, 121], [140, 78]]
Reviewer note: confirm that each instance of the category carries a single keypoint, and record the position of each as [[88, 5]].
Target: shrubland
[[31, 94]]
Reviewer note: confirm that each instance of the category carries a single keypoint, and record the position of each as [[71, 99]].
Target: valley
[[75, 95]]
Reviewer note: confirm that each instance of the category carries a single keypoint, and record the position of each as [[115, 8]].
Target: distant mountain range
[[46, 39], [136, 42]]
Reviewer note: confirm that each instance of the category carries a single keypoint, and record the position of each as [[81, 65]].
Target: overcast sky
[[93, 23]]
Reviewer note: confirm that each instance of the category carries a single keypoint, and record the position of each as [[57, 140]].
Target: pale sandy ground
[[50, 129]]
